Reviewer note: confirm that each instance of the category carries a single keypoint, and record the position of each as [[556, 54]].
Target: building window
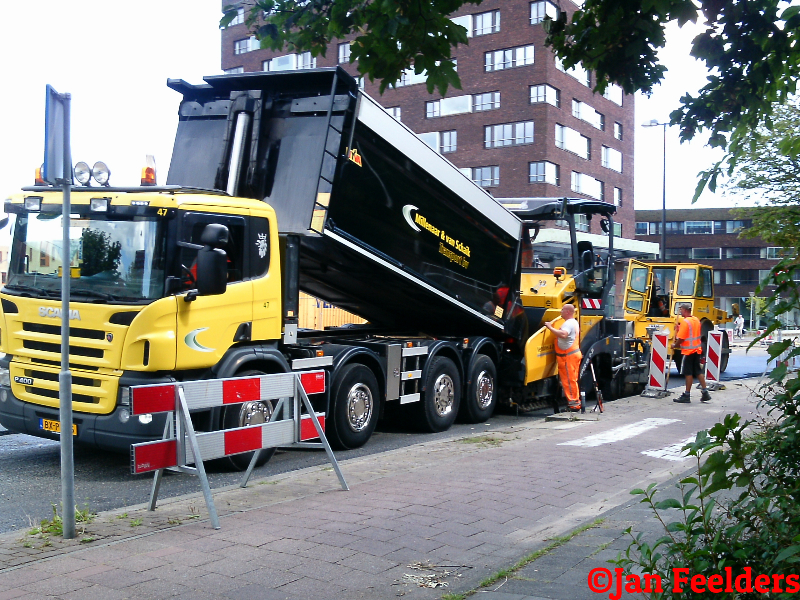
[[584, 112], [344, 52], [617, 229], [737, 226], [486, 176], [545, 93], [743, 276], [465, 21], [618, 131], [486, 23], [234, 70], [449, 141], [777, 253], [509, 58], [674, 227], [450, 106], [290, 62], [699, 227], [395, 111], [641, 228], [508, 134], [582, 183], [238, 19], [431, 138], [677, 253], [541, 9], [409, 77], [617, 196], [246, 45], [544, 172], [613, 93], [705, 253], [742, 252], [612, 159], [487, 101], [572, 141], [578, 72]]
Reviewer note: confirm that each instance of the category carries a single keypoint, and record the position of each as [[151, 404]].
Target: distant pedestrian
[[738, 323], [568, 354], [688, 339]]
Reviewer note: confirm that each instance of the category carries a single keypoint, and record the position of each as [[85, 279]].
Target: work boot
[[683, 398], [705, 396]]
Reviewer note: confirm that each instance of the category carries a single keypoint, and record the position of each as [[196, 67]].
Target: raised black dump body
[[388, 229]]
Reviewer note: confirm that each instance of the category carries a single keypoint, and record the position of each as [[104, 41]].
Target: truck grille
[[54, 347], [46, 387]]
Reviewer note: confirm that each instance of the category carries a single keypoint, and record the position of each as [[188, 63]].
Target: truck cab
[[654, 292]]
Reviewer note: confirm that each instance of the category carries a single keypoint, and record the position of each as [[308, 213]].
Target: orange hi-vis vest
[[689, 332]]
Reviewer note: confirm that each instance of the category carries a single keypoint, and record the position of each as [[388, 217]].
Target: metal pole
[[664, 200], [65, 377]]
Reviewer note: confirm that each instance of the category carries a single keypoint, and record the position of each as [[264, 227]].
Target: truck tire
[[439, 406], [726, 349], [481, 397], [241, 415], [354, 409]]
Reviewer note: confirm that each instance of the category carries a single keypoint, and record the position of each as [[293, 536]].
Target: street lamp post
[[654, 123], [752, 306]]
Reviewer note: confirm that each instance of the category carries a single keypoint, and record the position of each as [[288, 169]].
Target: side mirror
[[212, 271], [4, 222], [212, 262]]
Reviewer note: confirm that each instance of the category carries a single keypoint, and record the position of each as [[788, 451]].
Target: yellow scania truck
[[282, 182]]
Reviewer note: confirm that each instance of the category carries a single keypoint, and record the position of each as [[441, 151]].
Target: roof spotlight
[[101, 173], [82, 173]]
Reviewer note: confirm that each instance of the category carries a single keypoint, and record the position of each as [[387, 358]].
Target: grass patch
[[55, 526], [506, 573], [482, 440]]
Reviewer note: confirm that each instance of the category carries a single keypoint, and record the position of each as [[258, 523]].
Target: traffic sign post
[[181, 446], [57, 170]]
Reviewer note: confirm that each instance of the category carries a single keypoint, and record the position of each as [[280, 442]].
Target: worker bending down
[[568, 354]]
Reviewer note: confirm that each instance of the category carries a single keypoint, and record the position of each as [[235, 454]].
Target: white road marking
[[671, 452], [619, 433]]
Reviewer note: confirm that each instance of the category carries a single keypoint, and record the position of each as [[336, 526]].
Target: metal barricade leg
[[307, 403], [257, 453], [157, 476], [198, 460]]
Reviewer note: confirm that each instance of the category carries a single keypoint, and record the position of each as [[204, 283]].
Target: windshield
[[109, 259]]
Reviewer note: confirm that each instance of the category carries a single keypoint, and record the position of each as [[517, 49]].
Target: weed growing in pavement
[[55, 526], [136, 522], [508, 573], [482, 440]]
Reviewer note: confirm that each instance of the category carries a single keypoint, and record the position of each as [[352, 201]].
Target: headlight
[[5, 377], [124, 396], [124, 415], [145, 419], [82, 172], [101, 173]]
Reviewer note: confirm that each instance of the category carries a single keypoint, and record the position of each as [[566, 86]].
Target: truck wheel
[[354, 413], [243, 415], [439, 405], [726, 348], [481, 396]]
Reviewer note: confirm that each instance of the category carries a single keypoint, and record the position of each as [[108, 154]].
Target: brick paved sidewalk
[[441, 513]]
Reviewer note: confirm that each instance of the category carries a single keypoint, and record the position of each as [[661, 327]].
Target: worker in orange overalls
[[689, 339], [568, 354]]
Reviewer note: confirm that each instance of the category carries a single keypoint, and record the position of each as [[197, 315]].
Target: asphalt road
[[30, 480]]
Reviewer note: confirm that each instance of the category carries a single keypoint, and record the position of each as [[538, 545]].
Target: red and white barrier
[[181, 446], [590, 303], [659, 362], [713, 357]]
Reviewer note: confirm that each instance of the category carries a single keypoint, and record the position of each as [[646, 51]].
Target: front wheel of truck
[[354, 410], [243, 415], [439, 406]]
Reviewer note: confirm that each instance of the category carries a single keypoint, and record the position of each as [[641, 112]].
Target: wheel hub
[[443, 395], [359, 407], [254, 413], [485, 390]]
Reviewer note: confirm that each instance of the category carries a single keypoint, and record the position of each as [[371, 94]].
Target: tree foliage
[[750, 48]]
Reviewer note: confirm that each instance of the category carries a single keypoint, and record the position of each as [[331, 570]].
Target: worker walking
[[568, 354], [689, 340]]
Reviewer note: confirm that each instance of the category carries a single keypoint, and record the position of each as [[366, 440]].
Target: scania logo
[[55, 313]]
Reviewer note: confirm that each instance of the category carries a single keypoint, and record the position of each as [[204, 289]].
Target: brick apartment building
[[521, 126], [711, 236]]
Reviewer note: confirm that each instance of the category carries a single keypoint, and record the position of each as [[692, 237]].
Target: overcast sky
[[114, 59]]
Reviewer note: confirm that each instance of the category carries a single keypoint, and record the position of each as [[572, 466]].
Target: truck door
[[637, 288], [208, 325]]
